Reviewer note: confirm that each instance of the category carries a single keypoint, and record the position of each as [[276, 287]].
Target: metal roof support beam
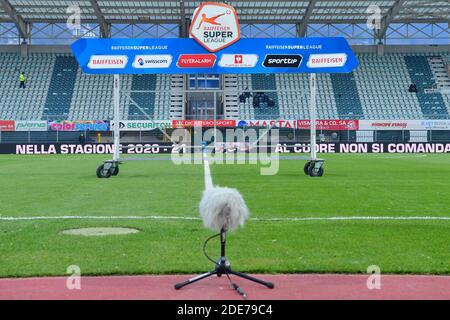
[[22, 26], [386, 21], [303, 27], [105, 27], [184, 24]]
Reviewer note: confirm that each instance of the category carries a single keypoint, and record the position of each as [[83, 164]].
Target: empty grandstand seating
[[346, 96], [29, 103], [383, 83], [61, 87], [378, 89], [142, 103], [432, 104], [265, 104], [92, 97], [294, 101]]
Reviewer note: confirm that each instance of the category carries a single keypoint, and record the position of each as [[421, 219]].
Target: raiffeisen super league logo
[[215, 26]]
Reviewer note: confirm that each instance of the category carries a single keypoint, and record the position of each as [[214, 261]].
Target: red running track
[[292, 287]]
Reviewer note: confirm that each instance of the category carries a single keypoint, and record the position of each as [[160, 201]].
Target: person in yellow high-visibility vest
[[22, 80]]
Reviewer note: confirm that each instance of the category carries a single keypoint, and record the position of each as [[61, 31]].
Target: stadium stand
[[25, 104], [163, 97], [294, 102], [384, 93], [265, 104], [432, 104], [346, 96], [58, 89], [145, 101], [92, 96], [61, 87]]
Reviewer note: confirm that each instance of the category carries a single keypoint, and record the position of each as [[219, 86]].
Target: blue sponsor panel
[[186, 56], [84, 125]]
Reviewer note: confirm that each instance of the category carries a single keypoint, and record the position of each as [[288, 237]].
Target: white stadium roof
[[25, 12]]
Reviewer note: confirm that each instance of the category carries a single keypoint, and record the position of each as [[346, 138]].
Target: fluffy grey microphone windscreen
[[223, 208]]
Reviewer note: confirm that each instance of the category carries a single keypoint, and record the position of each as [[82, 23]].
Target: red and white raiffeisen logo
[[108, 62], [215, 26]]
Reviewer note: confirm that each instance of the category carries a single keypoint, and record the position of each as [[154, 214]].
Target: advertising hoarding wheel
[[315, 172], [306, 168], [314, 168], [115, 171], [103, 173]]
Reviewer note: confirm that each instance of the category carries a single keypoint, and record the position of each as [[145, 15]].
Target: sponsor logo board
[[331, 125], [238, 60], [282, 61], [196, 61], [108, 62], [50, 149], [215, 26], [203, 123], [31, 125], [142, 125], [435, 124], [7, 125], [404, 125], [156, 61], [327, 60], [66, 125]]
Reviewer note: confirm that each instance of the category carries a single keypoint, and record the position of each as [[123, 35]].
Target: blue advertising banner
[[78, 125], [187, 56]]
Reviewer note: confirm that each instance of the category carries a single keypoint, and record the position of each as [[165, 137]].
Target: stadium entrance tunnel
[[100, 231]]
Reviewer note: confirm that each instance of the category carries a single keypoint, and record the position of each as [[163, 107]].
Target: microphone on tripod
[[222, 210]]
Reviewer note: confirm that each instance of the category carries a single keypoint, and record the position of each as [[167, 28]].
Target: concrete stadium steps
[[231, 100], [441, 74], [246, 110], [162, 97]]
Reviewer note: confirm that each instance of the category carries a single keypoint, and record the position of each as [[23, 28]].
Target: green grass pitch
[[354, 185]]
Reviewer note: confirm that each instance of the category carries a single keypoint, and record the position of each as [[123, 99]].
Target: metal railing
[[261, 116]]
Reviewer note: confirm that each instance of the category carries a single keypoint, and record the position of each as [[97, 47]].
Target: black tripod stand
[[223, 267]]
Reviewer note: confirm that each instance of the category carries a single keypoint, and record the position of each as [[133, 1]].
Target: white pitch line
[[349, 218], [208, 178], [96, 218], [352, 218]]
